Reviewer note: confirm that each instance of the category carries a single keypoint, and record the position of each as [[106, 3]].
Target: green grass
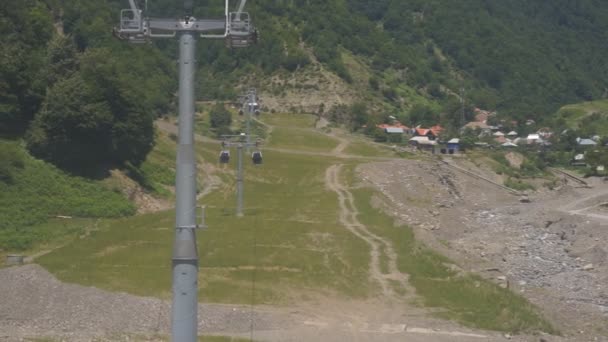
[[589, 116], [294, 131], [289, 241], [367, 149], [202, 125], [38, 191], [255, 128], [464, 298], [157, 172], [44, 236], [289, 120], [295, 138], [518, 184]]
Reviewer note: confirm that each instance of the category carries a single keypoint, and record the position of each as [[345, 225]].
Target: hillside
[[341, 236], [523, 58], [298, 204], [589, 118], [35, 194], [336, 231]]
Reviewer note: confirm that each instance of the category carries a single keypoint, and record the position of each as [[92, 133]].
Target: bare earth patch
[[551, 250]]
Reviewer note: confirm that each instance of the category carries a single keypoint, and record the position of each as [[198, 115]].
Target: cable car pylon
[[240, 141], [237, 31]]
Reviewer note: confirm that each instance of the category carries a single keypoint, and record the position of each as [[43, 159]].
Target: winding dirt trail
[[589, 203], [378, 245], [341, 146]]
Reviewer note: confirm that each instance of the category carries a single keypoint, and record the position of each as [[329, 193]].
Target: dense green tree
[[524, 58], [25, 27], [73, 126], [360, 115], [219, 116], [423, 115], [94, 119], [61, 59]]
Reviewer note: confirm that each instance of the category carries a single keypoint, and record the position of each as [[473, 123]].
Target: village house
[[534, 139], [545, 133], [395, 128], [423, 143], [585, 143], [484, 129], [425, 132], [454, 146]]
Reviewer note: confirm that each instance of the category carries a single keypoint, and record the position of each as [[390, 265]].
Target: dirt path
[[377, 244], [589, 202], [341, 146]]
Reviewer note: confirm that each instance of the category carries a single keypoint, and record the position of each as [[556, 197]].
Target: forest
[[84, 100]]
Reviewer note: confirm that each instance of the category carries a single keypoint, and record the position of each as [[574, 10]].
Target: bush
[[39, 191], [518, 185], [220, 116], [11, 160]]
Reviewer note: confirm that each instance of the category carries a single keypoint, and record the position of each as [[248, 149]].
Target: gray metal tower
[[250, 105], [240, 141], [236, 29]]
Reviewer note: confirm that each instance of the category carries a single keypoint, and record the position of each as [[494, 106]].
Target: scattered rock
[[588, 267], [596, 255]]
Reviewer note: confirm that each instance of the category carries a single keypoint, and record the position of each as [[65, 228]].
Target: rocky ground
[[36, 306], [552, 249]]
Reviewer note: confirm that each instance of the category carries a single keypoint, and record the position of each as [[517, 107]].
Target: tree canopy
[[525, 58]]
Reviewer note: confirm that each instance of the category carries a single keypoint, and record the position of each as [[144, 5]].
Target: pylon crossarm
[[186, 227], [187, 24]]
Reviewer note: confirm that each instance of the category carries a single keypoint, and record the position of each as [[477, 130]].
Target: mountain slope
[[523, 58]]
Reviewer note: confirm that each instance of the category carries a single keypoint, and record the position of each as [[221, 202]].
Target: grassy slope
[[361, 73], [575, 113], [289, 244], [157, 172], [39, 191], [295, 240]]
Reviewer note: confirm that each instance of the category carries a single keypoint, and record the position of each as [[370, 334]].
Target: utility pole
[[240, 141], [237, 30]]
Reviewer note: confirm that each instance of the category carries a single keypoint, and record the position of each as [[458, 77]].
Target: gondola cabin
[[256, 157], [224, 157]]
